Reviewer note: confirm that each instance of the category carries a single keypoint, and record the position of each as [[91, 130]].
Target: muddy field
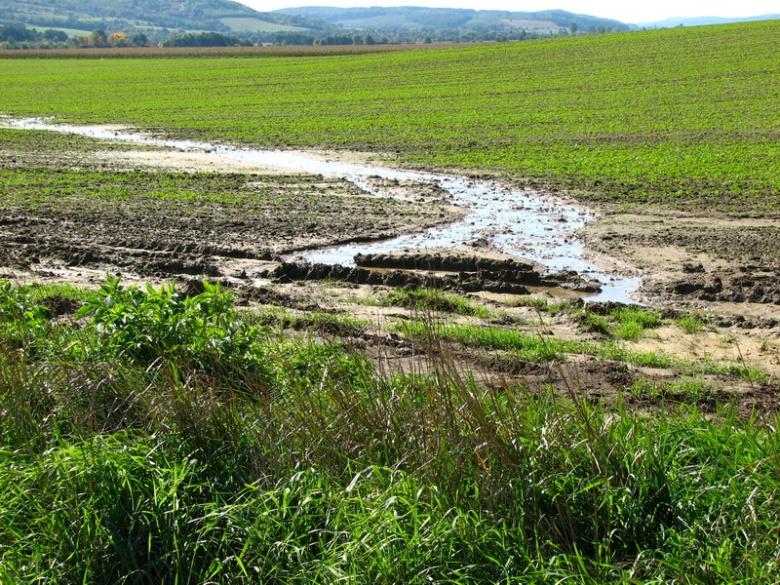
[[719, 263], [76, 209], [62, 221]]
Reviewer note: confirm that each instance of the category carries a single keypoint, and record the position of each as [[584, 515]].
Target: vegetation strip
[[167, 438]]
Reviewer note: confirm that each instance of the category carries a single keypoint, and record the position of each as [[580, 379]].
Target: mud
[[520, 223], [455, 273], [142, 236], [726, 265]]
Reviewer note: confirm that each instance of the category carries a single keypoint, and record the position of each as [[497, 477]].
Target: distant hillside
[[412, 18], [706, 20], [160, 20], [148, 16]]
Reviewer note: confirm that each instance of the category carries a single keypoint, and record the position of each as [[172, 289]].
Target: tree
[[573, 28], [118, 39], [55, 35], [140, 40], [98, 38], [16, 32]]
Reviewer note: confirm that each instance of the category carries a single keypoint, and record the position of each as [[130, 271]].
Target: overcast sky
[[625, 10]]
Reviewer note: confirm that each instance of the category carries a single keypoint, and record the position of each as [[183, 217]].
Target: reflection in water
[[520, 223]]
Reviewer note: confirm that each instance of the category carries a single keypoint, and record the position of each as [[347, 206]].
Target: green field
[[283, 430], [683, 117]]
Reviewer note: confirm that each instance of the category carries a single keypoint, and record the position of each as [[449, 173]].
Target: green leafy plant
[[146, 325]]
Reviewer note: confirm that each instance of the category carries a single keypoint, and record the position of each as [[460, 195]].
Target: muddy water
[[520, 223]]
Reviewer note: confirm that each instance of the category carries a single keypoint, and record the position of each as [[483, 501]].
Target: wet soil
[[145, 236], [722, 264], [519, 222], [462, 273], [724, 270]]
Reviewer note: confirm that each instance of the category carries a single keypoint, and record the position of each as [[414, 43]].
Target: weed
[[690, 324], [422, 299]]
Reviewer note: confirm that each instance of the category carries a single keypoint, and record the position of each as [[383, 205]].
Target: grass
[[627, 323], [680, 118], [170, 440], [422, 299], [684, 390], [527, 347], [632, 322], [690, 324], [39, 292], [535, 347], [341, 324]]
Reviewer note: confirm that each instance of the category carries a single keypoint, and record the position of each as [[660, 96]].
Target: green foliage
[[690, 324], [593, 323], [21, 319], [623, 323], [632, 322], [147, 325], [423, 299]]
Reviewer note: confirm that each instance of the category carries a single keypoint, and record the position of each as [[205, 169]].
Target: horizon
[[627, 13]]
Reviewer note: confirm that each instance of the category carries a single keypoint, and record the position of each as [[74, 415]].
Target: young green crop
[[683, 118]]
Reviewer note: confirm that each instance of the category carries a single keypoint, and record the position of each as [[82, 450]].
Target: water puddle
[[519, 223]]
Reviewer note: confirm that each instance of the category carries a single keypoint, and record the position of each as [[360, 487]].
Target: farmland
[[682, 118], [182, 401]]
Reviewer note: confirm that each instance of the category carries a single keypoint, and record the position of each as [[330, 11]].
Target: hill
[[158, 19], [148, 16], [706, 20], [438, 20]]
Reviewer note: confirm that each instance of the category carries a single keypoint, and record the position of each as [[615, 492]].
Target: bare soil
[[724, 270], [721, 264]]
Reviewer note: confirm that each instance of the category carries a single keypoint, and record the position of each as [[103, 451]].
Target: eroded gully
[[520, 223]]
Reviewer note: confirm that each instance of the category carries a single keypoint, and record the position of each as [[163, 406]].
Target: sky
[[626, 10]]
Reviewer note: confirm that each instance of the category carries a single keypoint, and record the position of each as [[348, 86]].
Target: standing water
[[519, 223]]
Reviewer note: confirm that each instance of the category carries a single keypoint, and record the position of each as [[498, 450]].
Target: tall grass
[[138, 449]]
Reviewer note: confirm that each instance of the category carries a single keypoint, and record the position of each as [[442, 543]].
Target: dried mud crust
[[155, 231], [584, 377], [689, 259]]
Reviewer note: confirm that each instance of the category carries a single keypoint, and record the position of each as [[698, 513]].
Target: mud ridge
[[739, 288], [508, 281]]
